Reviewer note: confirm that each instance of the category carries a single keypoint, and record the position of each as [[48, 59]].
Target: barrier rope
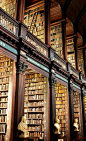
[[75, 139], [79, 138]]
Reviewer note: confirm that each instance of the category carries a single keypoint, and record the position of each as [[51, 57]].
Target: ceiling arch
[[65, 7], [78, 18]]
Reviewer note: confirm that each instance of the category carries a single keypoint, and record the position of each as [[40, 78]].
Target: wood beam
[[84, 58], [78, 18], [76, 53], [47, 22], [65, 7], [20, 10], [64, 40]]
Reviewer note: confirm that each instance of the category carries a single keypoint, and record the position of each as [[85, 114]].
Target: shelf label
[[8, 47], [37, 64]]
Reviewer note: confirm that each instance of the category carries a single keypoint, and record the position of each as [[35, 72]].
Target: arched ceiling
[[75, 11]]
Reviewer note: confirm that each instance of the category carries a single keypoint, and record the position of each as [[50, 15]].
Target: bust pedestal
[[28, 139], [56, 137], [23, 139], [76, 135]]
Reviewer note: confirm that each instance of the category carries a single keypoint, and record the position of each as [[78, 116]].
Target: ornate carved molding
[[71, 87], [21, 67]]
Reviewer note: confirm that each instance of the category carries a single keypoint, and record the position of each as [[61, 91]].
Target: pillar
[[84, 58], [83, 111], [52, 106], [20, 10], [64, 40], [19, 95], [71, 109], [76, 53], [47, 22]]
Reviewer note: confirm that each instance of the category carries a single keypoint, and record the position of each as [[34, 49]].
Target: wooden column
[[71, 109], [83, 110], [20, 10], [84, 58], [76, 53], [19, 96], [64, 40], [47, 22], [52, 106]]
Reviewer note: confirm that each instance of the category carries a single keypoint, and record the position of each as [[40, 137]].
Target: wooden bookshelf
[[61, 108], [70, 52], [81, 62], [6, 66], [34, 19], [34, 103], [76, 104], [56, 39], [9, 6]]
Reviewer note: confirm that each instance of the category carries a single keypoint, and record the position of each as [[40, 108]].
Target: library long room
[[42, 70]]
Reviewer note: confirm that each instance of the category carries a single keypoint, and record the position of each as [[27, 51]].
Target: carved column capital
[[51, 82], [21, 67], [71, 87], [83, 92]]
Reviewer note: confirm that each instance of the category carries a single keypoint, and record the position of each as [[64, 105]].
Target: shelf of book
[[34, 19], [56, 39], [9, 6], [70, 52], [81, 62], [61, 96], [76, 104], [35, 89], [6, 69]]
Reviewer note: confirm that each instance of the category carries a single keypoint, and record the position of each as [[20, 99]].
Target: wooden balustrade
[[74, 72], [60, 61], [40, 46], [8, 22]]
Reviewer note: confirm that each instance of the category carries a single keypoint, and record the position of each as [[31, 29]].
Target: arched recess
[[65, 7], [69, 27], [55, 11], [79, 40], [78, 18], [82, 26], [74, 8]]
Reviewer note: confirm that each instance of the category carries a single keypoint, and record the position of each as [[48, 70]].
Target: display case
[[70, 52], [56, 39], [9, 6], [81, 62], [34, 19], [61, 95], [34, 103], [6, 72]]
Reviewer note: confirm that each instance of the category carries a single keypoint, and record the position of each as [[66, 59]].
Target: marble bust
[[76, 125], [22, 126], [57, 126]]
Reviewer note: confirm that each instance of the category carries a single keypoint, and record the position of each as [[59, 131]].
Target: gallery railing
[[40, 46], [74, 72], [12, 25], [60, 61], [8, 22]]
